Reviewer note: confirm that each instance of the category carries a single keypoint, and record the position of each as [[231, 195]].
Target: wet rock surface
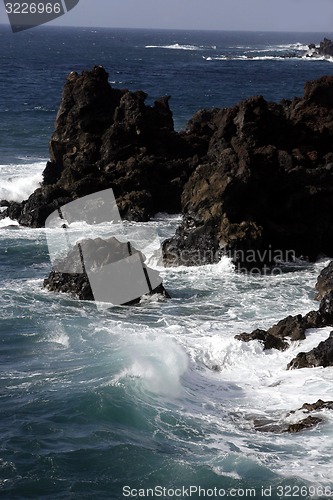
[[325, 48], [98, 253], [325, 281], [322, 355], [293, 328], [307, 423]]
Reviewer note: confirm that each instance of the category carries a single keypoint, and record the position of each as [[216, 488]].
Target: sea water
[[156, 400]]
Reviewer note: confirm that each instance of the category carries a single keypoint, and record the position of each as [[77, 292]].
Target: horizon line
[[51, 25]]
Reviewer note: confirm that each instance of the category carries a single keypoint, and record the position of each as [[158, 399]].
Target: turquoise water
[[128, 401]]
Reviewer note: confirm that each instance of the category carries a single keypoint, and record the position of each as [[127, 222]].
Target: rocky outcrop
[[253, 181], [325, 281], [309, 422], [325, 49], [268, 340], [291, 328], [70, 274], [322, 355], [263, 193], [105, 137], [267, 425]]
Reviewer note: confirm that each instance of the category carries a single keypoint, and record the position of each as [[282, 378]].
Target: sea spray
[[18, 181]]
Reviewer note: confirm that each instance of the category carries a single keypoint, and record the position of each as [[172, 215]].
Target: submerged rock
[[266, 425], [306, 423], [281, 426]]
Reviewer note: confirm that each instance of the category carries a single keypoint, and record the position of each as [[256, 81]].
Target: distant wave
[[250, 58], [291, 46], [177, 46], [270, 53], [268, 58]]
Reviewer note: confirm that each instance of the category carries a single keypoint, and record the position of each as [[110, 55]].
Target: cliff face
[[254, 181]]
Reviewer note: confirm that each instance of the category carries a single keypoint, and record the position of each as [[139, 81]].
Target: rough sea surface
[[155, 400]]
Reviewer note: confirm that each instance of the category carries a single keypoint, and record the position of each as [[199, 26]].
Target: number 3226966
[[33, 8]]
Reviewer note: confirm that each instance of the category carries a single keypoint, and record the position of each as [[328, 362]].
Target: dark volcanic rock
[[266, 425], [291, 327], [253, 181], [325, 281], [269, 341], [319, 405], [322, 355], [265, 185], [326, 309], [76, 284], [98, 252], [325, 48], [105, 137], [269, 425], [306, 423]]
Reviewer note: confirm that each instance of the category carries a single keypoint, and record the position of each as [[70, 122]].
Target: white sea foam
[[177, 46], [317, 58], [250, 58], [159, 363], [18, 181], [58, 335], [184, 351], [8, 223]]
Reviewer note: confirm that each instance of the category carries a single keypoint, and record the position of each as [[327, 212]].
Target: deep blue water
[[93, 401], [34, 65]]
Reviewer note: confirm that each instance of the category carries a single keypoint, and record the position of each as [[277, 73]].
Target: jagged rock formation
[[264, 190], [105, 137], [291, 327], [322, 355], [309, 422], [325, 281], [98, 253], [253, 181], [325, 48]]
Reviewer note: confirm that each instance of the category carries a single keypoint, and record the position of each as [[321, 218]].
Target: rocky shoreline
[[325, 48], [253, 182]]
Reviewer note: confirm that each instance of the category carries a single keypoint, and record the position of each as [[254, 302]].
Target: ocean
[[156, 400]]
